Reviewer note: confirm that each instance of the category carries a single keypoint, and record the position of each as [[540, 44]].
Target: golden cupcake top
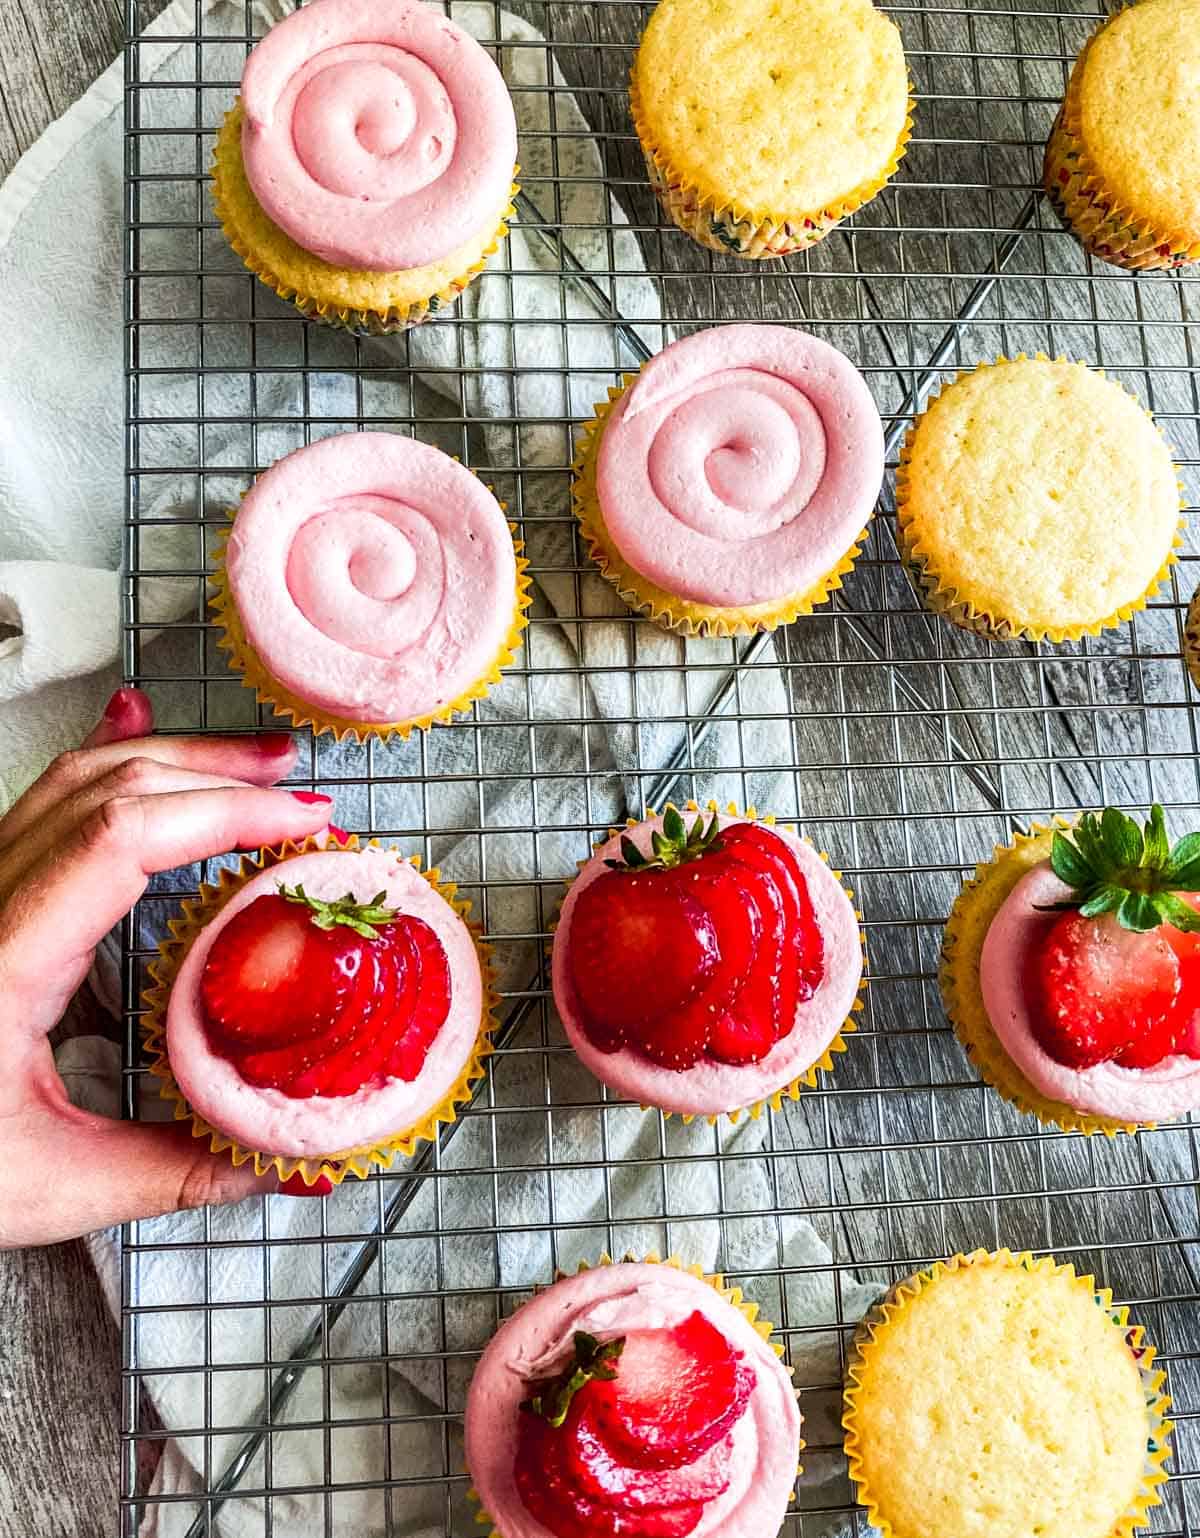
[[1041, 493], [774, 106], [1137, 92]]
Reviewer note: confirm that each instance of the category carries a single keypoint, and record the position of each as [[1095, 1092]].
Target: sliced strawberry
[[591, 1465], [741, 1038], [356, 1059], [431, 1005]]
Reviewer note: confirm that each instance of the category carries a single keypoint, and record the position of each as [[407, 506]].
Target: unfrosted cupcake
[[636, 1399], [1037, 500], [707, 963], [766, 122], [726, 487], [320, 1010], [1071, 973], [1002, 1395], [1123, 162], [370, 585], [366, 170]]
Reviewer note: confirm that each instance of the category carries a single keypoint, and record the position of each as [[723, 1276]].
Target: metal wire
[[904, 747]]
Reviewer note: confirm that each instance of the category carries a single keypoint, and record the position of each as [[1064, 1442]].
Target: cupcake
[[370, 585], [707, 964], [1123, 162], [765, 123], [636, 1399], [366, 170], [1037, 500], [1071, 973], [1004, 1395], [321, 1010], [725, 488]]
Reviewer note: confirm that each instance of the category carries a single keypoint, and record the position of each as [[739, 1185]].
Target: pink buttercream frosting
[[1170, 1088], [740, 465], [373, 575], [610, 1301], [275, 1123], [377, 134], [709, 1088]]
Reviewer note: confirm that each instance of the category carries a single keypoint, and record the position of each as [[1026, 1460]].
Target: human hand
[[75, 854]]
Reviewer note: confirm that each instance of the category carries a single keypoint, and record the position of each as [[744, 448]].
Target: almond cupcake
[[1122, 165], [1037, 500], [366, 169], [766, 123], [726, 487]]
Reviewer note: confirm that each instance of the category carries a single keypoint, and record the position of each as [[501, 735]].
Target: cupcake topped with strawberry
[[1072, 972], [632, 1401], [706, 962]]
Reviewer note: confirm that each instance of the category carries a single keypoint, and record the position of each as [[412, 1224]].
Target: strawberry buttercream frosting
[[606, 1302], [1170, 1088], [377, 134], [373, 575], [740, 465], [275, 1123], [710, 1088]]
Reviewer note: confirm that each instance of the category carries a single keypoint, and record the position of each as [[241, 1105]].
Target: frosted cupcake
[[370, 585], [320, 1010], [1004, 1395], [1037, 500], [1123, 162], [635, 1399], [726, 487], [707, 963], [366, 170], [766, 123], [1071, 973]]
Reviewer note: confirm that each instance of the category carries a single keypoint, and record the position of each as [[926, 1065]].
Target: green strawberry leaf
[[552, 1397], [673, 826], [1105, 899], [1068, 863], [1122, 838], [1182, 870], [1138, 912], [1157, 845], [1180, 915]]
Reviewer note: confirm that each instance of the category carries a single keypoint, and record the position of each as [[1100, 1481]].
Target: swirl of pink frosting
[[740, 465], [373, 575], [377, 134]]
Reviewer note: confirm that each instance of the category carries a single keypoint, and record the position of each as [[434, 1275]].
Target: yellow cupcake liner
[[722, 224], [1077, 190], [254, 237], [198, 912], [966, 929], [1191, 639], [825, 1063], [645, 597], [244, 660], [879, 1318], [732, 1295], [957, 606]]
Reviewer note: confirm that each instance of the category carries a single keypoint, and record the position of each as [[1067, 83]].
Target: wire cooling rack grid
[[313, 1365]]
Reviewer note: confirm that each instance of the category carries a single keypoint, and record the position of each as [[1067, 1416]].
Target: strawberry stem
[[674, 845], [363, 918], [1113, 866], [592, 1360]]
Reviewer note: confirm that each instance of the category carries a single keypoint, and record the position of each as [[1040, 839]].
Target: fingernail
[[275, 744], [122, 702], [294, 1186], [311, 798]]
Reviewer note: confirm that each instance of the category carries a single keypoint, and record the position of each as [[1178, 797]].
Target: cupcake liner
[[725, 225], [966, 928], [734, 1295], [878, 1320], [957, 606], [823, 1064], [244, 224], [199, 911], [268, 690], [1090, 209], [645, 597]]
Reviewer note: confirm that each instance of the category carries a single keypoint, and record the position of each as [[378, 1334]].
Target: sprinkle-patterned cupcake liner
[[389, 302], [962, 946], [724, 225], [956, 605], [196, 914], [824, 1064], [732, 1295], [1089, 208], [244, 660], [667, 609], [879, 1318]]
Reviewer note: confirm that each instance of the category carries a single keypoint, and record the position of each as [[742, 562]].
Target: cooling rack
[[300, 1368]]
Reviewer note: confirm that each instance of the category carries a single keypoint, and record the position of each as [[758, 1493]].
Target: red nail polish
[[337, 835], [121, 704], [311, 798], [294, 1186], [275, 744]]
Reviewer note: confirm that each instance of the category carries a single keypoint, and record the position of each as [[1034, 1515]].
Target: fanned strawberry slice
[[430, 1006], [359, 1061], [591, 1465], [739, 1038]]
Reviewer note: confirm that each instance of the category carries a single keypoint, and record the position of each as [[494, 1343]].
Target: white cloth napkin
[[61, 500]]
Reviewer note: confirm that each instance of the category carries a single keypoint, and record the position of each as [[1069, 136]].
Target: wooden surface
[[59, 1400]]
